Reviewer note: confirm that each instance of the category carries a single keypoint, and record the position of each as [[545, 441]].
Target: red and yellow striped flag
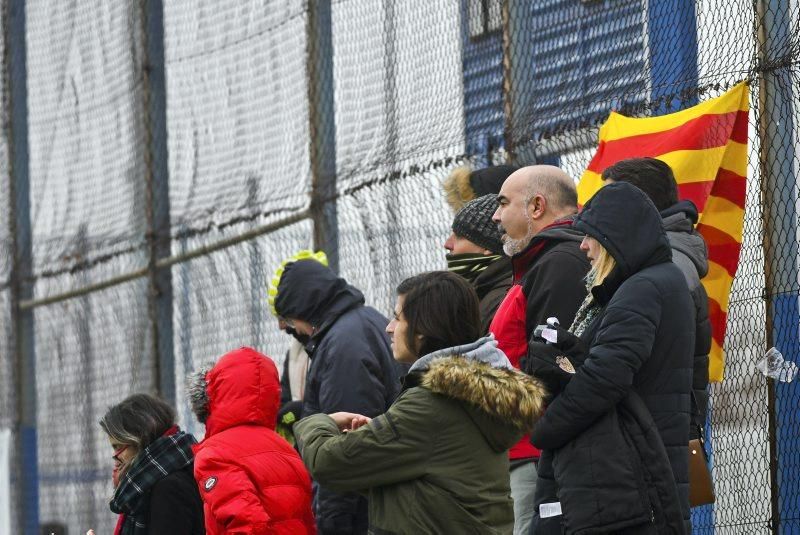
[[706, 146]]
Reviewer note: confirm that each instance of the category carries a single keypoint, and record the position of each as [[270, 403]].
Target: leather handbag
[[701, 487]]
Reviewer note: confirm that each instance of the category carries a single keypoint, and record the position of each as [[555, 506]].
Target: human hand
[[348, 421]]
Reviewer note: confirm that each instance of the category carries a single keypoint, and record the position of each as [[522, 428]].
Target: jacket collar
[[333, 315], [497, 273], [501, 401], [558, 230], [679, 220], [483, 350]]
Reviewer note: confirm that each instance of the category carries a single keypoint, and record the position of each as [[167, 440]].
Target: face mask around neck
[[304, 339], [469, 265]]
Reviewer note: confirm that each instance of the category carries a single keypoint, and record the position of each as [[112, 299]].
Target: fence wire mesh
[[220, 303], [238, 125], [417, 88]]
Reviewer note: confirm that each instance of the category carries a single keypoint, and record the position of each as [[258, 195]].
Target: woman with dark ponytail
[[154, 489]]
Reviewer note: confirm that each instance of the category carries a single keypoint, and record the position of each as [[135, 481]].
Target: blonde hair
[[604, 264]]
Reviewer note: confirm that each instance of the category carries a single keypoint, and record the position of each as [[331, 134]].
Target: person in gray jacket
[[689, 252]]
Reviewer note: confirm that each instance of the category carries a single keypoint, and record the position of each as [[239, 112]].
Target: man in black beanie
[[352, 368], [476, 253]]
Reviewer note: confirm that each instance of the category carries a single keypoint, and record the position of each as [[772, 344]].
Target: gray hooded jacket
[[483, 350], [690, 254]]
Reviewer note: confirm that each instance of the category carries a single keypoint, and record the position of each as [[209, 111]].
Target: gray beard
[[512, 247]]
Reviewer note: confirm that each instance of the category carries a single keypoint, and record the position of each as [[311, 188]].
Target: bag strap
[[696, 411]]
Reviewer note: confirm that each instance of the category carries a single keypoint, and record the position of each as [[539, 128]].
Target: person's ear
[[537, 207], [418, 342]]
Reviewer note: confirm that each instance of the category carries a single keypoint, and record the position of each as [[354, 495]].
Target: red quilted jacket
[[251, 480]]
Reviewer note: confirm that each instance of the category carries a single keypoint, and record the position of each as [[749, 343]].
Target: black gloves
[[554, 354]]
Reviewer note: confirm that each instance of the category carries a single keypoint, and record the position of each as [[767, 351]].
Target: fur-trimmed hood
[[463, 184], [457, 188], [503, 402]]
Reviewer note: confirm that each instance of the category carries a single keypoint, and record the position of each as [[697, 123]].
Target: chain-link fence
[[171, 154]]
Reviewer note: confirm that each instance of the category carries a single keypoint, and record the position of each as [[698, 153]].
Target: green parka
[[436, 461]]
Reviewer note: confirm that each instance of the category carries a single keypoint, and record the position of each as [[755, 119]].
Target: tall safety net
[[178, 151]]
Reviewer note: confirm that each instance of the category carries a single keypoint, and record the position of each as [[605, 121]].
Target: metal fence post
[[16, 116], [83, 316], [322, 129], [157, 197], [519, 40], [510, 97], [258, 279], [390, 111], [778, 196]]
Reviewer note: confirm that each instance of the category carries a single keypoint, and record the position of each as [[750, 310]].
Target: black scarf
[[470, 265], [162, 457]]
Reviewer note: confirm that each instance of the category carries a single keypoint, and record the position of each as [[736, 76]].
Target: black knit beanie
[[490, 179], [474, 222]]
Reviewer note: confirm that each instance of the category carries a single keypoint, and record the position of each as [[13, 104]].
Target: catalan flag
[[706, 146]]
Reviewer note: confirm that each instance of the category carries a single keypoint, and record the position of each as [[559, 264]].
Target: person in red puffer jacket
[[251, 480]]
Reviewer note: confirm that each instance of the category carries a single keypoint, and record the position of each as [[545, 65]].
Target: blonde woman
[[618, 426]]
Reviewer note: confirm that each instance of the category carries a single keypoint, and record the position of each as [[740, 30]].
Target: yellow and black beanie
[[275, 282]]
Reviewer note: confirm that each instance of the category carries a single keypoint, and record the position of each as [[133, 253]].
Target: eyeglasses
[[118, 452]]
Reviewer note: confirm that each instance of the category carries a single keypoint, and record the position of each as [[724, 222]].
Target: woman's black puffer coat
[[624, 444], [640, 343]]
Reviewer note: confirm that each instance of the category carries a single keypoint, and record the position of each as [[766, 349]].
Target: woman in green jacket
[[436, 461]]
